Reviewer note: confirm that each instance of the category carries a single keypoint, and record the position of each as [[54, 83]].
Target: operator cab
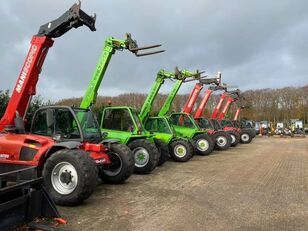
[[205, 123], [183, 120], [159, 125], [226, 123], [66, 124], [217, 126], [123, 119], [236, 123]]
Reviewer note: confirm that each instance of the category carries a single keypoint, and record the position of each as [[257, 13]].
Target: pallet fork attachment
[[133, 47]]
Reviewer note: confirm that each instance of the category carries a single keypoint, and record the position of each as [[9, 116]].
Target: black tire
[[122, 166], [179, 145], [3, 184], [151, 151], [253, 132], [205, 138], [193, 144], [235, 138], [222, 140], [78, 161], [246, 137], [163, 150]]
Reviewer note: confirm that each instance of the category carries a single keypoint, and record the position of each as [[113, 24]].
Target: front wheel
[[70, 176], [146, 155], [204, 144], [235, 138], [181, 150], [245, 137], [121, 167], [222, 140]]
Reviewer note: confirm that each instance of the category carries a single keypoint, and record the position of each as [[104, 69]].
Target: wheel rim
[[221, 141], [180, 151], [142, 157], [202, 145], [233, 138], [116, 165], [64, 178], [245, 137]]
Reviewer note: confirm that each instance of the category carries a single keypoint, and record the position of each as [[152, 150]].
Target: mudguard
[[110, 141], [68, 144]]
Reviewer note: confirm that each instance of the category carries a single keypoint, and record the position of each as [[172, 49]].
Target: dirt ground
[[259, 186]]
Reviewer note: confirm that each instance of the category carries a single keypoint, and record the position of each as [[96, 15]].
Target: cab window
[[66, 124], [40, 124], [118, 119], [181, 120], [157, 125]]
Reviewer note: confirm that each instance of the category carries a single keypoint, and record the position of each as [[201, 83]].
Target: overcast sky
[[255, 44]]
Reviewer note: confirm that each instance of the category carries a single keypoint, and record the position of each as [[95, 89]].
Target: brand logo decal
[[25, 70]]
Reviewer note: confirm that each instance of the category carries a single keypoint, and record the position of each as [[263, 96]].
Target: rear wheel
[[235, 138], [204, 144], [146, 155], [70, 176], [122, 165], [181, 150], [222, 140], [163, 150]]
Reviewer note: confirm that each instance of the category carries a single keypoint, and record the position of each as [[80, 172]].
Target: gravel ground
[[259, 186]]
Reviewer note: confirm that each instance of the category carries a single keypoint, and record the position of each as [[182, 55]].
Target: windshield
[[204, 123], [236, 123], [216, 124], [159, 125], [226, 123], [88, 124], [183, 120]]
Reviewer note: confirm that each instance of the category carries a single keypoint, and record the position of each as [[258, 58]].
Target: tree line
[[276, 105]]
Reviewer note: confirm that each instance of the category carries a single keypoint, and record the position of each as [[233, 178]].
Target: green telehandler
[[180, 148], [123, 123], [183, 123]]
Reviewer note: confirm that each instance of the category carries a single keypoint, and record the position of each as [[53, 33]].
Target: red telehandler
[[245, 134], [221, 138], [232, 131], [64, 156], [243, 124]]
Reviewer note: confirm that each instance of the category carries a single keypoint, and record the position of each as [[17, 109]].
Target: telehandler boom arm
[[233, 96], [237, 113], [218, 106], [111, 46], [148, 103], [25, 87], [182, 75], [196, 91]]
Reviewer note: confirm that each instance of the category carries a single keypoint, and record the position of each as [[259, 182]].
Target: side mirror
[[57, 137], [50, 118]]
